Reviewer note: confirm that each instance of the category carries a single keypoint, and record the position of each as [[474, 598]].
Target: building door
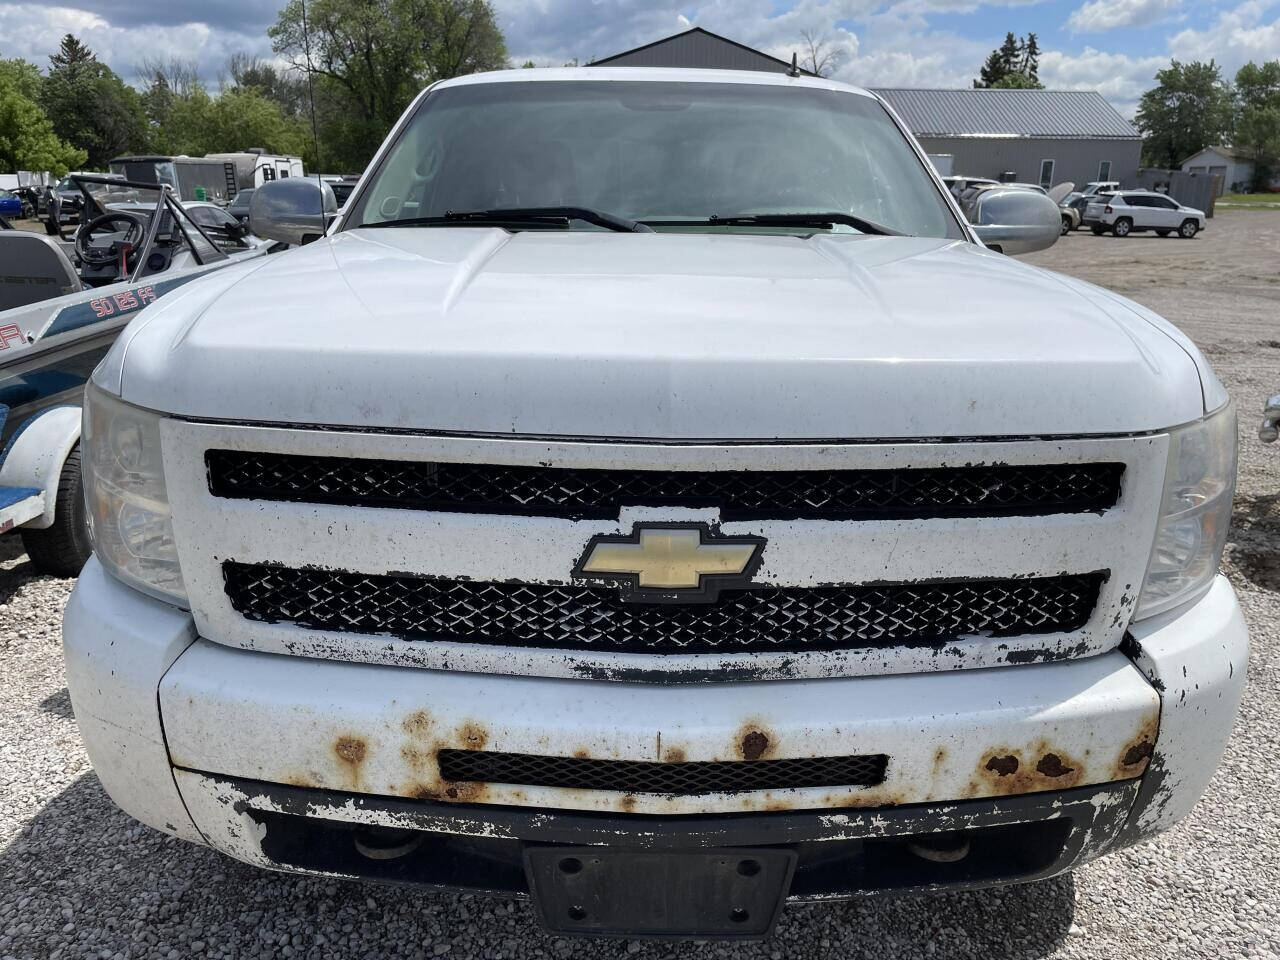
[[1046, 173], [1104, 170]]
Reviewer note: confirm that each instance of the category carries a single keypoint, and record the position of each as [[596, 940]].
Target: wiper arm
[[790, 220], [523, 215]]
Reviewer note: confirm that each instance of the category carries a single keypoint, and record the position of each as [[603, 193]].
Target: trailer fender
[[35, 453]]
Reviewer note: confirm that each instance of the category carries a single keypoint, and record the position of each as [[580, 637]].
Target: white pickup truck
[[651, 497]]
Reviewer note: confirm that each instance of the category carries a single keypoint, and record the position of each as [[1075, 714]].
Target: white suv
[[1134, 210]]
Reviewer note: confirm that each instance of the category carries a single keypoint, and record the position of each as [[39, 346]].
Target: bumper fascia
[[841, 854], [121, 647]]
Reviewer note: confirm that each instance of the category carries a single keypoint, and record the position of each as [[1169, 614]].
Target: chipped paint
[[384, 737], [544, 549], [231, 813]]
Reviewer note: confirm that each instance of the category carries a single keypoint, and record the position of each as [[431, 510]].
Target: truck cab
[[650, 496]]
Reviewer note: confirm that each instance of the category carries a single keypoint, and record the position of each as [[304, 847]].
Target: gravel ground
[[78, 878]]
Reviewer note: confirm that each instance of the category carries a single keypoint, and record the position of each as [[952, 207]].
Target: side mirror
[[296, 210], [1016, 221]]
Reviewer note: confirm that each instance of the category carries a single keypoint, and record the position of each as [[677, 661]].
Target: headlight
[[128, 505], [1195, 512]]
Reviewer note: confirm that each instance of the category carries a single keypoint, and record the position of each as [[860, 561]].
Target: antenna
[[311, 98], [795, 66]]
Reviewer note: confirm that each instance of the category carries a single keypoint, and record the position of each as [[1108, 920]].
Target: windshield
[[655, 152]]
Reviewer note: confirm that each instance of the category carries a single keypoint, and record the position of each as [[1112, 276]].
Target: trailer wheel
[[63, 548]]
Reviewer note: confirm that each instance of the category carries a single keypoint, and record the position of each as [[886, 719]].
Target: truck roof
[[649, 74]]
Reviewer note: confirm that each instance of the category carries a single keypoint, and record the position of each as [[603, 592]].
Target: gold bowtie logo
[[674, 563]]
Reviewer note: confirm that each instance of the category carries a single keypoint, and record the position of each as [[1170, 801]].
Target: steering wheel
[[118, 251]]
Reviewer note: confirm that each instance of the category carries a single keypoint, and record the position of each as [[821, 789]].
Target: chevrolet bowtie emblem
[[671, 562]]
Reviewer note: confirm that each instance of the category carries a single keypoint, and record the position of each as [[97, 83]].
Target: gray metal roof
[[1050, 114], [697, 48]]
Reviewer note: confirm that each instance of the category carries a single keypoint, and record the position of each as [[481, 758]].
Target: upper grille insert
[[580, 617], [885, 494], [639, 776]]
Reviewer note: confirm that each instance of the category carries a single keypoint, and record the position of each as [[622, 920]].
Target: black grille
[[635, 776], [981, 491], [595, 617]]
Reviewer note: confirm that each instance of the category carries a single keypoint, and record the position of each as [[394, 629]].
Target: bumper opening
[[824, 869], [838, 853]]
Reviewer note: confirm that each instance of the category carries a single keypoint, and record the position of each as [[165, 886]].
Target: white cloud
[[1099, 15], [1117, 76], [1238, 35], [33, 31]]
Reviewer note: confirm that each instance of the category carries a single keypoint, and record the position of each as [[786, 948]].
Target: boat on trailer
[[63, 302]]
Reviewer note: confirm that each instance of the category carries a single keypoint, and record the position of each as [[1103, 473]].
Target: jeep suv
[[1134, 211], [650, 497]]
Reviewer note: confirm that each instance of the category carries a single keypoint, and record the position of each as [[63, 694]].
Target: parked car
[[650, 496], [61, 307], [1269, 432], [30, 196], [11, 205], [66, 198], [1080, 201], [239, 206], [1135, 211], [958, 185], [1070, 216], [342, 186]]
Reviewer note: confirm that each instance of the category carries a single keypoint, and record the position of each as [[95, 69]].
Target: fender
[[35, 454]]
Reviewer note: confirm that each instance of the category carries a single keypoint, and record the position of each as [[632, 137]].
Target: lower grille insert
[[582, 617], [686, 778]]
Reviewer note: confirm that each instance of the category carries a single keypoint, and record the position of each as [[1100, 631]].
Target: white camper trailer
[[255, 167]]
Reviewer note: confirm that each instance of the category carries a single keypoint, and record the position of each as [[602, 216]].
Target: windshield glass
[[654, 152]]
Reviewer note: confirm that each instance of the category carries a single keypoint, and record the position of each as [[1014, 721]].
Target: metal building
[[697, 48], [1039, 136]]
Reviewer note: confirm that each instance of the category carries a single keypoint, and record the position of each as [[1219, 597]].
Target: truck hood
[[679, 336]]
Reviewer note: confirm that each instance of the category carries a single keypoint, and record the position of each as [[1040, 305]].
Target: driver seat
[[35, 268]]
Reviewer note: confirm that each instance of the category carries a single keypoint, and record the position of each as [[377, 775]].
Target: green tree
[[369, 58], [241, 118], [1190, 108], [1017, 81], [72, 55], [167, 83], [288, 88], [1258, 123], [27, 140], [1015, 64], [24, 75], [90, 106]]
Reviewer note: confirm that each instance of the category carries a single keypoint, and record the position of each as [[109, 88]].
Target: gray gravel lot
[[80, 879]]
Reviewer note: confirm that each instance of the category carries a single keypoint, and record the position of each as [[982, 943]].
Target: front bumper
[[277, 760]]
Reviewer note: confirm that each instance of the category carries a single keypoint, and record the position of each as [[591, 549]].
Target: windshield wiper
[[827, 220], [537, 215]]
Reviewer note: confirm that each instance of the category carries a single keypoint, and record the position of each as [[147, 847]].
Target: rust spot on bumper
[[1006, 772], [1003, 766], [1136, 754], [1052, 765], [753, 745], [350, 752]]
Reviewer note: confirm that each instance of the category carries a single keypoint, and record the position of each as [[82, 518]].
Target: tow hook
[[386, 843], [947, 847]]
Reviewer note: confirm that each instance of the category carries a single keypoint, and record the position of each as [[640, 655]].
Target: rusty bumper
[[840, 855], [187, 736]]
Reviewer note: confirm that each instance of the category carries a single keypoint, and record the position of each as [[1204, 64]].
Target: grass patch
[[1260, 201]]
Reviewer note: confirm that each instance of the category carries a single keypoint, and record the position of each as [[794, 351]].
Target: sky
[[1114, 46]]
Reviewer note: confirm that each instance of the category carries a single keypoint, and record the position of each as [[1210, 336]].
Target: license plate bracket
[[724, 893]]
